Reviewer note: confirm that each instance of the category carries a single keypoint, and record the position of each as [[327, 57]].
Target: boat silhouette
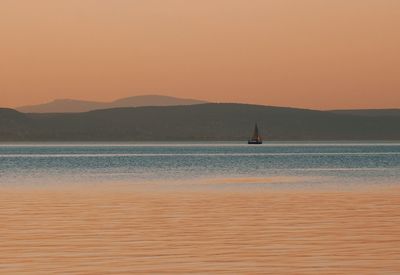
[[255, 138]]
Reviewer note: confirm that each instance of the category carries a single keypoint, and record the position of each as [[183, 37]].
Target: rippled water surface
[[226, 208], [134, 163]]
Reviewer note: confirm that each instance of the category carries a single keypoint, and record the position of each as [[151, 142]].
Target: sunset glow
[[311, 53]]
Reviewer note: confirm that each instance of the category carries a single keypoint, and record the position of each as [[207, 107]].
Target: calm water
[[257, 222], [308, 163]]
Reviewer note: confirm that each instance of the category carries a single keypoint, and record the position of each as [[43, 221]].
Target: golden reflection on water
[[128, 230]]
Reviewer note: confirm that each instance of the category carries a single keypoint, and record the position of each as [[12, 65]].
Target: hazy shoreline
[[208, 122]]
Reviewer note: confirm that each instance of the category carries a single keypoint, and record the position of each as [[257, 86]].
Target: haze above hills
[[77, 106]]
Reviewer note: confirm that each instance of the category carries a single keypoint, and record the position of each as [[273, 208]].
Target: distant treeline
[[199, 122]]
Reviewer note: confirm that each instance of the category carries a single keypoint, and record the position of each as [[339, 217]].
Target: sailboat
[[255, 139]]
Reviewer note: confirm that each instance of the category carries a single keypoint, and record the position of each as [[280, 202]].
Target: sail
[[255, 136], [255, 139]]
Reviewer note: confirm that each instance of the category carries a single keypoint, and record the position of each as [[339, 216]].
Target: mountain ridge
[[78, 106], [209, 121]]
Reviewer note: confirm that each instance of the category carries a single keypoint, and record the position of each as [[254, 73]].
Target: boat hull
[[254, 142]]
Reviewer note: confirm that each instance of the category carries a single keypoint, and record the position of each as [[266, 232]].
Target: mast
[[255, 133]]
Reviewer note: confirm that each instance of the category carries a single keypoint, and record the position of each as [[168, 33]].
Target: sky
[[320, 54]]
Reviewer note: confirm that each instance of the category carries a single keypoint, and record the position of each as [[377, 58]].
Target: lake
[[200, 208]]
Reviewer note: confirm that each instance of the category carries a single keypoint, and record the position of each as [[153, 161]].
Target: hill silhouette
[[76, 106], [369, 112], [195, 122]]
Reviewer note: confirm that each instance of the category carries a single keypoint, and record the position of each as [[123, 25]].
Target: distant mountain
[[195, 122], [77, 106], [153, 100], [369, 112], [63, 106]]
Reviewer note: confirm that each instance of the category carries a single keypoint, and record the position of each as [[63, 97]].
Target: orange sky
[[308, 53]]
